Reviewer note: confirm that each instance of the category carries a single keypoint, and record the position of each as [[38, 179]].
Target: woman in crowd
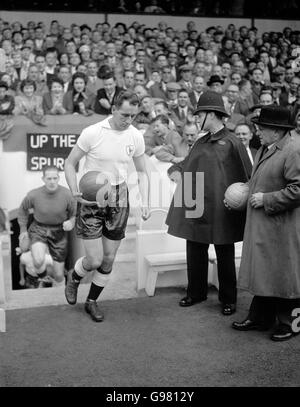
[[28, 103], [53, 100], [64, 59], [79, 99]]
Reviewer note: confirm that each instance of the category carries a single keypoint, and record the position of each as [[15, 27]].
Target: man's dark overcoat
[[223, 160]]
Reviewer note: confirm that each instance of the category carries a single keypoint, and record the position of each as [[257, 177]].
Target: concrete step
[[122, 284]]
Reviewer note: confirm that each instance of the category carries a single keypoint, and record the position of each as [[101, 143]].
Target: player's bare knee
[[94, 263]]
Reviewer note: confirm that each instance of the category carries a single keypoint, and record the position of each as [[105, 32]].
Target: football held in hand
[[236, 196], [95, 186]]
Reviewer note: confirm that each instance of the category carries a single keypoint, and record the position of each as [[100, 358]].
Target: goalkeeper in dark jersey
[[54, 211]]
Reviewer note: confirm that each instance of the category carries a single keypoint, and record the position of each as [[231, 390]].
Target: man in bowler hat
[[217, 160], [271, 249]]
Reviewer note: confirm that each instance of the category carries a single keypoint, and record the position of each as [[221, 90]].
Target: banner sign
[[48, 149]]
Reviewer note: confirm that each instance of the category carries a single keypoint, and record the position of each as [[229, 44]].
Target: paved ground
[[143, 342]]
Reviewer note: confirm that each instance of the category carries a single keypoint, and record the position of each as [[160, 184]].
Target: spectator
[[53, 100], [140, 78], [128, 79], [33, 75], [161, 135], [198, 85], [107, 95], [233, 102], [183, 111], [172, 94], [186, 77], [28, 103], [173, 64], [159, 90], [146, 113], [7, 102], [19, 67], [64, 74], [244, 133], [215, 83], [94, 83], [140, 91], [79, 100], [257, 83]]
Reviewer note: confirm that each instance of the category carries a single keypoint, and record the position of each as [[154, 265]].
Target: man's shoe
[[228, 309], [71, 289], [91, 307], [189, 301], [248, 325], [282, 333]]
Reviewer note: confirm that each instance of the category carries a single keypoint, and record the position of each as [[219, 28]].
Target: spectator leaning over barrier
[[162, 136], [146, 113]]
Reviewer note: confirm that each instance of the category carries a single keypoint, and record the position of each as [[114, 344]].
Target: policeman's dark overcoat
[[223, 160]]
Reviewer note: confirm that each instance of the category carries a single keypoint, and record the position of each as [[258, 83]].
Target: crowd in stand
[[205, 8], [61, 70]]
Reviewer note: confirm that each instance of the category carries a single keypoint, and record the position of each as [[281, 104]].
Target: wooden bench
[[162, 262], [160, 254]]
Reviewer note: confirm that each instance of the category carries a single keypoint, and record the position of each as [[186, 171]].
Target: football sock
[[100, 279]]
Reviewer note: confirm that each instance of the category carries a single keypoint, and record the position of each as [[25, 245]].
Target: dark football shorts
[[53, 236], [93, 222]]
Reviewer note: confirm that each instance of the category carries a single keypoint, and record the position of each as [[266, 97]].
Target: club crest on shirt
[[221, 142], [130, 149]]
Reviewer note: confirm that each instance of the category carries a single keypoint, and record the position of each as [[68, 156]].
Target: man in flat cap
[[197, 212], [186, 77], [271, 249], [172, 94]]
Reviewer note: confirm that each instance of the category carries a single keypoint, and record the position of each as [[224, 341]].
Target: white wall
[[149, 20]]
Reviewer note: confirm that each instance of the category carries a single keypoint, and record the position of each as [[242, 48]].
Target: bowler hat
[[211, 101], [274, 116], [215, 79]]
